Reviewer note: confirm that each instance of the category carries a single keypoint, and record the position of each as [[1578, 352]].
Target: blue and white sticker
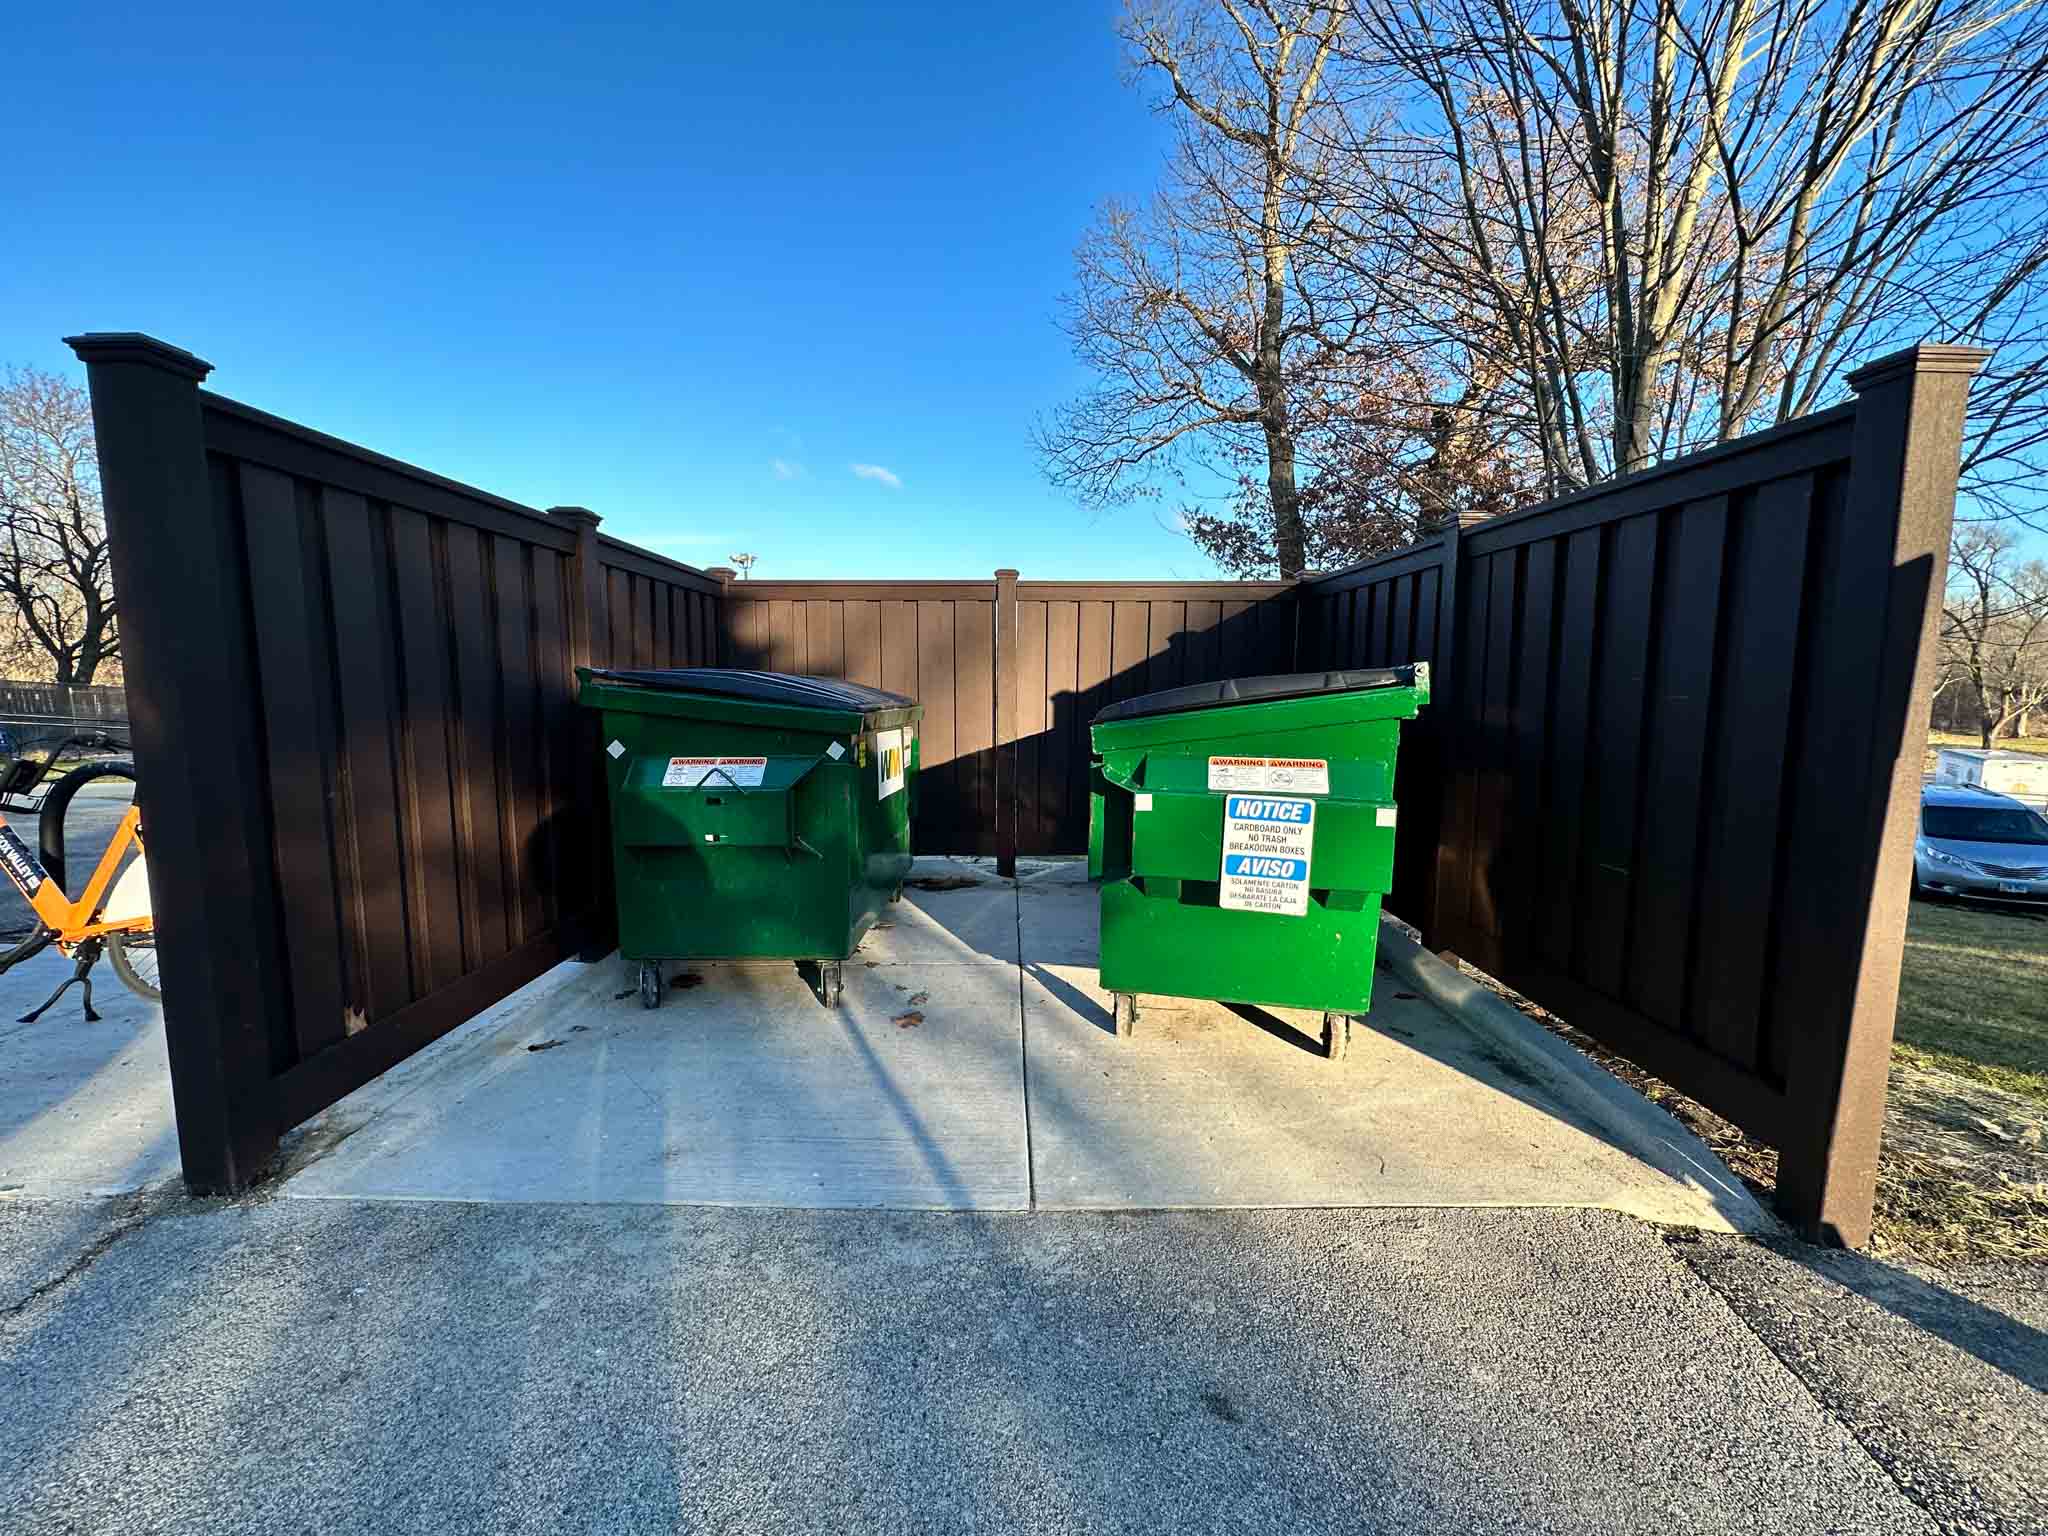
[[1268, 841]]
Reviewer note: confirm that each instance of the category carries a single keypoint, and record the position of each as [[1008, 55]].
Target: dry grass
[[1973, 995], [1963, 1174]]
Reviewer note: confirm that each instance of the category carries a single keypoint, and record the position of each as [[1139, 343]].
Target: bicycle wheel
[[133, 956]]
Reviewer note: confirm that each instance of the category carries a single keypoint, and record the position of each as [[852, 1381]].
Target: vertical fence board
[[974, 724], [485, 934], [358, 568], [939, 775], [1620, 706], [518, 763], [1034, 750], [1740, 842], [864, 644], [430, 831], [295, 652], [1665, 891]]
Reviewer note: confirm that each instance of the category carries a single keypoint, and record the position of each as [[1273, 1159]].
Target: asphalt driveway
[[377, 1367]]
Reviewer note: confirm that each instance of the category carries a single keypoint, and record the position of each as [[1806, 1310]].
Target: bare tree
[[1994, 628], [1207, 338], [56, 586], [1674, 221]]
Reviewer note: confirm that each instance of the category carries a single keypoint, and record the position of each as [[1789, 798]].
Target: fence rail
[[1667, 786], [54, 704]]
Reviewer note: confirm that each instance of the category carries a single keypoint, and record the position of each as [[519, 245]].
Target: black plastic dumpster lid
[[765, 687], [1253, 690]]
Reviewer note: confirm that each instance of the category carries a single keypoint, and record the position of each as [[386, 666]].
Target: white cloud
[[786, 469], [887, 477]]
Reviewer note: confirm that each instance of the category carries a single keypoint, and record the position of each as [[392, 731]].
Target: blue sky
[[685, 265]]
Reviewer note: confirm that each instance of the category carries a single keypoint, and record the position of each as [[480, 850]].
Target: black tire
[[829, 983], [133, 957], [650, 984]]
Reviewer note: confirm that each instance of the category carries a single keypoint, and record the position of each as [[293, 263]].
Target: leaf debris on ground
[[908, 1020]]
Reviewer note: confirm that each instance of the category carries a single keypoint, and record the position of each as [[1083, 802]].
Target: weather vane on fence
[[743, 563]]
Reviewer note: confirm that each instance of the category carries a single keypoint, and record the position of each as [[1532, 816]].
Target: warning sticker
[[892, 761], [1293, 775], [690, 772], [1267, 841]]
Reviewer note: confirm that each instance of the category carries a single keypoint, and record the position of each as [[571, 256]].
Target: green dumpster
[[1243, 832], [755, 815]]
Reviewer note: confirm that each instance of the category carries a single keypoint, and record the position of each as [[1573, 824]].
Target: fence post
[[178, 564], [590, 646], [721, 655], [1905, 458], [1440, 764], [1006, 723]]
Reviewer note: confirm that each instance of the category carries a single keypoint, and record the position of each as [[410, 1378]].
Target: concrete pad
[[1631, 1120], [953, 912], [85, 1109], [740, 1090], [1215, 1106]]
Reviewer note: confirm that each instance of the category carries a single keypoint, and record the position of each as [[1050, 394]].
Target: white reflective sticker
[[1295, 775], [835, 751], [892, 762], [1384, 816], [1144, 801], [710, 772], [617, 749]]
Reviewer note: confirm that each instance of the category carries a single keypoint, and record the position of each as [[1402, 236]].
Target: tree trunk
[[1290, 538]]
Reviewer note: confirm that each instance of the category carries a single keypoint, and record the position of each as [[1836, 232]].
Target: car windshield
[[1982, 824]]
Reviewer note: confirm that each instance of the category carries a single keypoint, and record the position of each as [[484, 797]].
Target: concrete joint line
[[1024, 1049]]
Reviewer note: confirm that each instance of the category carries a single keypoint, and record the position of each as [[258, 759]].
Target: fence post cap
[[1005, 571], [1923, 357], [724, 573], [578, 517], [135, 347]]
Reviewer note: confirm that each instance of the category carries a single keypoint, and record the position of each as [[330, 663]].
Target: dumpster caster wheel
[[896, 895], [828, 984], [1336, 1035], [650, 984], [1125, 1007]]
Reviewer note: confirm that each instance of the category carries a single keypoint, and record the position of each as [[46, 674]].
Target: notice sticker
[[617, 750], [691, 772], [892, 761], [1267, 844], [1289, 775]]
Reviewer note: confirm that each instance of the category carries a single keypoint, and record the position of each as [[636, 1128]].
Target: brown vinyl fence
[[1004, 765], [1670, 778], [1667, 786]]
